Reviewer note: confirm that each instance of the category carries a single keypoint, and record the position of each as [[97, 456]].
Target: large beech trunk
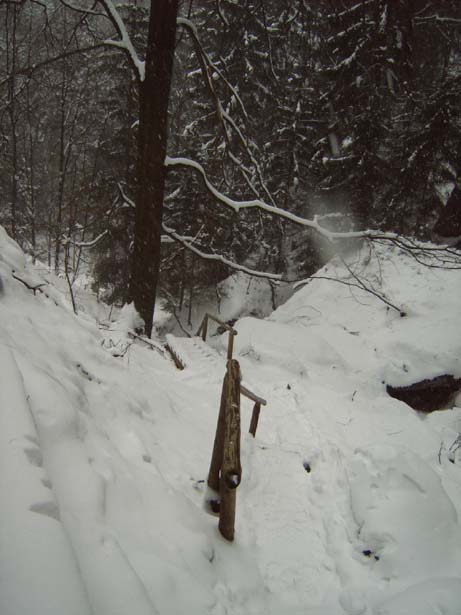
[[152, 141]]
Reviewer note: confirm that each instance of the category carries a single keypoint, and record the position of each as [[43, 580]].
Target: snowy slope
[[350, 500]]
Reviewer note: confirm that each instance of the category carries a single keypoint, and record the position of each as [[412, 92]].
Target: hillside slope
[[350, 500]]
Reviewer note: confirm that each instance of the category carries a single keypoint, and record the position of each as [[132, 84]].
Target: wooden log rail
[[259, 401], [225, 469], [225, 472], [203, 330]]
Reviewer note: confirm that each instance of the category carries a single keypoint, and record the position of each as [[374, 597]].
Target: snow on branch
[[125, 41], [219, 258], [84, 11], [354, 8], [125, 199], [85, 244], [431, 255], [208, 68], [272, 209], [190, 26], [438, 19]]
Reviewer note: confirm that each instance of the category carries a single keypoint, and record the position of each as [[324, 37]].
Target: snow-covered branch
[[209, 68], [85, 244], [438, 19], [272, 209], [430, 255], [190, 26], [126, 199], [83, 11], [353, 9], [125, 41], [218, 257]]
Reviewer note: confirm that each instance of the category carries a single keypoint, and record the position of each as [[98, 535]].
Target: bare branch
[[429, 255], [360, 285], [29, 70], [84, 11]]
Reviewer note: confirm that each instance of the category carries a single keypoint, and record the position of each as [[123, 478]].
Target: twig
[[33, 288]]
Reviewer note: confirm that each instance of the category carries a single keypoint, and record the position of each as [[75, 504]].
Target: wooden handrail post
[[231, 470], [255, 419], [205, 327], [225, 469], [230, 346]]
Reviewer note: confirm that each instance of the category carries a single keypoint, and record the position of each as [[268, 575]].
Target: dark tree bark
[[11, 62], [152, 141]]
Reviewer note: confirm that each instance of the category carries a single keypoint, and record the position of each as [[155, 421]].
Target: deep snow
[[350, 500]]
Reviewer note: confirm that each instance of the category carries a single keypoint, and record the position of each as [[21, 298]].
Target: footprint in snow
[[34, 456], [49, 509]]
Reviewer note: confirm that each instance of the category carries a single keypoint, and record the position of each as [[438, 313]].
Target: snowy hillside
[[350, 500]]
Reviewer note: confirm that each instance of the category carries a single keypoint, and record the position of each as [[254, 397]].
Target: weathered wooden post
[[230, 345], [205, 327], [255, 418], [225, 470], [231, 470]]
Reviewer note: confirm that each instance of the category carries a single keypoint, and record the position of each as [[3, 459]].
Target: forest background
[[347, 113]]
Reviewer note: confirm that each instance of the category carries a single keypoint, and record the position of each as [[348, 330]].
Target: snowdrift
[[350, 500]]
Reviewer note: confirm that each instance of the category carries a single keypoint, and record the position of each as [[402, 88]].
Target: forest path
[[196, 355], [33, 539], [290, 474]]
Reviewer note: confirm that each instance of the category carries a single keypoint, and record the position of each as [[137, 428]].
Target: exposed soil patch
[[428, 395]]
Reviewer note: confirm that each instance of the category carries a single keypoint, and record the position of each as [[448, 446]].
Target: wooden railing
[[259, 401], [203, 330], [225, 469]]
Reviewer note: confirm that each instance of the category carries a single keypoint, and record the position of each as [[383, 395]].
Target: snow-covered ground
[[350, 500]]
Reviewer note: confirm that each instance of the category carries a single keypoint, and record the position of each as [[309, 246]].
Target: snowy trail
[[287, 513], [290, 498], [81, 495], [314, 540], [36, 554], [349, 503], [198, 357]]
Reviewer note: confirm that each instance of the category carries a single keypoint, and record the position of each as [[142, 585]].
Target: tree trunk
[[11, 59], [152, 141]]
